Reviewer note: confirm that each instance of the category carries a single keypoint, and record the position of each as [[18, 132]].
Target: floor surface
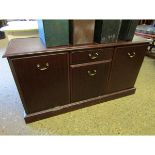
[[131, 115]]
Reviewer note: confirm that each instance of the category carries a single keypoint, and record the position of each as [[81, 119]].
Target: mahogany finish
[[125, 68], [30, 46], [89, 81], [43, 87], [93, 55], [77, 105], [61, 79]]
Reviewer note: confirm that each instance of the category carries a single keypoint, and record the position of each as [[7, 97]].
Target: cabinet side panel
[[17, 84]]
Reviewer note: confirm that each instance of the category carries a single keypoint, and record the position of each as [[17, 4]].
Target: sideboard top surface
[[29, 46]]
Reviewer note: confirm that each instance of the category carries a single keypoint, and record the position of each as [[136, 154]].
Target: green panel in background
[[54, 32]]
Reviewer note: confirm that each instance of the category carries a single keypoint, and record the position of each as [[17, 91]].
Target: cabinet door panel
[[89, 81], [43, 81], [125, 67]]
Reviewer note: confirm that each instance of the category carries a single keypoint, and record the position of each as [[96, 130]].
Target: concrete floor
[[132, 115]]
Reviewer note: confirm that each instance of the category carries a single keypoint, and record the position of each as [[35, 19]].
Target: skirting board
[[77, 105]]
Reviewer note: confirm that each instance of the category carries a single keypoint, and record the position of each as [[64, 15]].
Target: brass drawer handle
[[131, 54], [93, 56], [43, 68], [92, 73]]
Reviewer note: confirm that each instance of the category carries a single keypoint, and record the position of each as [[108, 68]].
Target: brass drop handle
[[43, 68], [131, 54], [92, 73], [93, 56]]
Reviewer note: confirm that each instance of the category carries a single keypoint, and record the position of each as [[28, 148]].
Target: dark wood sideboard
[[56, 80]]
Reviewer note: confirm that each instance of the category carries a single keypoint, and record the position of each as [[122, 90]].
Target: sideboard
[[56, 80]]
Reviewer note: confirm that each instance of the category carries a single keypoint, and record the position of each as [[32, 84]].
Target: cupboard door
[[125, 67], [43, 81], [88, 81]]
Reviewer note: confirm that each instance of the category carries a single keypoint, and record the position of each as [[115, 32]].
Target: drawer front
[[86, 56], [89, 81], [125, 68], [43, 81]]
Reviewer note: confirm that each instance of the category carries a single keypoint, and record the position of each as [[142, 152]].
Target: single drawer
[[89, 81], [86, 56]]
